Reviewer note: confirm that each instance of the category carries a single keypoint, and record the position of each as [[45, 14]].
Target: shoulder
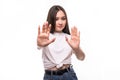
[[67, 35]]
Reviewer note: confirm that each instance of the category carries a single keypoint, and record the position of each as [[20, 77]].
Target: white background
[[97, 20]]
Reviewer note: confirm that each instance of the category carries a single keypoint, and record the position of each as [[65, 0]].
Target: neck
[[58, 32]]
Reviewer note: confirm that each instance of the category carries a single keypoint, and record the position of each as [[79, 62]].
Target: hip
[[64, 74]]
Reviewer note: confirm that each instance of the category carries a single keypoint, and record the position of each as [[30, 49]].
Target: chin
[[59, 30]]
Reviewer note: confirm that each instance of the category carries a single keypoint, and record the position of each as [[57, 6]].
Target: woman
[[58, 45]]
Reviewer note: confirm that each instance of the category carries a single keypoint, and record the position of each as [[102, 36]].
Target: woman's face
[[60, 21]]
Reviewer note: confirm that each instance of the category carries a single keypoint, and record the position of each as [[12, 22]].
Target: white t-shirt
[[57, 53]]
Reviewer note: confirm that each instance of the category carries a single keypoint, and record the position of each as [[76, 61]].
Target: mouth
[[60, 26]]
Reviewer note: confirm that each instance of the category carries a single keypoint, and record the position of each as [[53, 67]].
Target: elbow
[[81, 57]]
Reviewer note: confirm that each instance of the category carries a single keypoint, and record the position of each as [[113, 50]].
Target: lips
[[59, 26]]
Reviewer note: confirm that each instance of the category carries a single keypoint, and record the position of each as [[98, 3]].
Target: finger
[[46, 27], [78, 34], [49, 28], [39, 30], [46, 23], [43, 28], [72, 31], [67, 40], [75, 31]]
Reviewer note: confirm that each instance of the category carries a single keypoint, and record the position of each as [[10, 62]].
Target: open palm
[[74, 41], [43, 36]]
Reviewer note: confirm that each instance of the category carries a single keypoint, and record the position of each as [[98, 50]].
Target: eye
[[63, 18], [56, 18]]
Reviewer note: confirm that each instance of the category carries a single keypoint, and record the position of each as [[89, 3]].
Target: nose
[[60, 22]]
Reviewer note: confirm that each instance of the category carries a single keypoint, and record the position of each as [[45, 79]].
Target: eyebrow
[[62, 17]]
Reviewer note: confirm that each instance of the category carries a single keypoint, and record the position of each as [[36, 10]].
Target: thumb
[[67, 40], [52, 40]]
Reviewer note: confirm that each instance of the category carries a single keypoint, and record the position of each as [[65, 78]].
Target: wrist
[[77, 49]]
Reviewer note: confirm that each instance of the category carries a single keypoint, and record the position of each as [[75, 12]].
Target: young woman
[[58, 45]]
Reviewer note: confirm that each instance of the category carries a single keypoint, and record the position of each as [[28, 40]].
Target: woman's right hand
[[43, 36]]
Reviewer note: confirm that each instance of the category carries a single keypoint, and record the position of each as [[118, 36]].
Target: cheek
[[56, 23], [64, 23]]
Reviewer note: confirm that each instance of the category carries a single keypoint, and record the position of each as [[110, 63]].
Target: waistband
[[57, 72]]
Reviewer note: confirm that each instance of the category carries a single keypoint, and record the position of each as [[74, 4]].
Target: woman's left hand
[[74, 41]]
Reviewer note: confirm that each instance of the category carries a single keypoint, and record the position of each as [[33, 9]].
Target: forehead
[[60, 13]]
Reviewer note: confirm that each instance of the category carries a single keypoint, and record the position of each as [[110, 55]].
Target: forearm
[[79, 54]]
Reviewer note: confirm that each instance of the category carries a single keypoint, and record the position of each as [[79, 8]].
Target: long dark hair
[[51, 18]]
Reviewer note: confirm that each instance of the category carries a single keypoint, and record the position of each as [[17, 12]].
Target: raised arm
[[74, 42]]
